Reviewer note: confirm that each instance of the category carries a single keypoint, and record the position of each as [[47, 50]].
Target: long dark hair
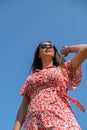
[[37, 63]]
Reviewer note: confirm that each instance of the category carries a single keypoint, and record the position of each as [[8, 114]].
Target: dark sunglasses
[[45, 45]]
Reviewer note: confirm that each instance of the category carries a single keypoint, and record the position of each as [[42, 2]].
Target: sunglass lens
[[43, 46], [51, 45]]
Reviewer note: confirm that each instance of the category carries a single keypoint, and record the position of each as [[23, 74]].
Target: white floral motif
[[48, 110]]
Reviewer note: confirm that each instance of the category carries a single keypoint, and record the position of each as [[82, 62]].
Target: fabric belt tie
[[67, 97]]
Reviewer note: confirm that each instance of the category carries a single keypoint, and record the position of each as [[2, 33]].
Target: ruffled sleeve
[[74, 76], [26, 89]]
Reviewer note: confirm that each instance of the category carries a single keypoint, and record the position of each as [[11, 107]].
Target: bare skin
[[46, 55], [81, 53]]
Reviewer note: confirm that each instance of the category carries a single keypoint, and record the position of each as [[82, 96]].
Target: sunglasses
[[45, 45]]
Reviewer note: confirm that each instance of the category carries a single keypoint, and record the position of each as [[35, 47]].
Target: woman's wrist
[[68, 49]]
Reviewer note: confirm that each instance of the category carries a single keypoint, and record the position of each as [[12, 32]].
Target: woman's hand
[[80, 51], [65, 50]]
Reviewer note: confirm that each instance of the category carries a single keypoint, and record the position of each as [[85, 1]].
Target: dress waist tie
[[67, 97]]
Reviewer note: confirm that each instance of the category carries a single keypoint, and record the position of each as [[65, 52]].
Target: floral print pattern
[[49, 108]]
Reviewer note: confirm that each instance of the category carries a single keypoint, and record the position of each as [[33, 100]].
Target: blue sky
[[25, 23]]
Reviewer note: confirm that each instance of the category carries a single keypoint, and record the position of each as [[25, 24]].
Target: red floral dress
[[49, 108]]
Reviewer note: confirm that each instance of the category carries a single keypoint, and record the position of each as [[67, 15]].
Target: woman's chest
[[52, 76]]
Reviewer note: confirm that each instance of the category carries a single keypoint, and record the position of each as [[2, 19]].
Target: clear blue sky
[[23, 24]]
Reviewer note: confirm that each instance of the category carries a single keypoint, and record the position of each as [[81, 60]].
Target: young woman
[[45, 105]]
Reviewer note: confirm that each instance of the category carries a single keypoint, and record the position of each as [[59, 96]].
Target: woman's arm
[[81, 53], [21, 114]]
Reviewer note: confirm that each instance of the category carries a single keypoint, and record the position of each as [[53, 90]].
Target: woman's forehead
[[45, 43]]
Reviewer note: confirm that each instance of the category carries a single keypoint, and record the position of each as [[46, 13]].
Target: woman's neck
[[47, 63]]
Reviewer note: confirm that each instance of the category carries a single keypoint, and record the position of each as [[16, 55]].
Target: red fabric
[[49, 107], [67, 97]]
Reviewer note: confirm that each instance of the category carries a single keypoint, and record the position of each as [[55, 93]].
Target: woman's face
[[46, 50]]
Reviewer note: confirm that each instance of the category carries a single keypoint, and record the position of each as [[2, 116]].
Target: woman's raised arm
[[80, 56]]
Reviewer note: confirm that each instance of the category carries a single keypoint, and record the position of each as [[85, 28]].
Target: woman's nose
[[47, 46]]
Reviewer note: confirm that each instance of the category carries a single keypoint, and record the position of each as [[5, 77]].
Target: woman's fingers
[[64, 51]]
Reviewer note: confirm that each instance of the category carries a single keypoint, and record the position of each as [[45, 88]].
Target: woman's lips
[[48, 51]]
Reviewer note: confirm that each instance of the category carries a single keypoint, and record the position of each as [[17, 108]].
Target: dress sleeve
[[26, 89], [74, 76]]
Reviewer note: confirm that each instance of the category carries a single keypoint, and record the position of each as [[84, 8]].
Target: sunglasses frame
[[43, 46]]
